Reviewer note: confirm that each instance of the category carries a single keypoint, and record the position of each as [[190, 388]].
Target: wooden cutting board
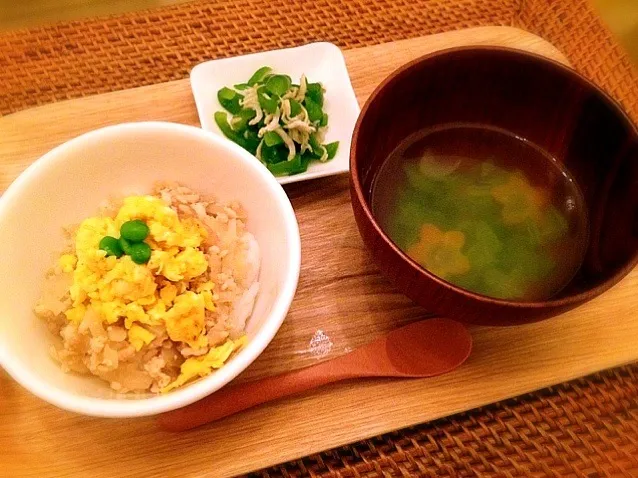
[[341, 300]]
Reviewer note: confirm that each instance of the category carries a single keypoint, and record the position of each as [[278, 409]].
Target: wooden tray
[[340, 294]]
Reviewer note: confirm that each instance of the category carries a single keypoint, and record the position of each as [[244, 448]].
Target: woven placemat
[[74, 59], [585, 428], [86, 57]]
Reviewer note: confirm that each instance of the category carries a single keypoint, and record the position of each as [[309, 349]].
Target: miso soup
[[483, 209]]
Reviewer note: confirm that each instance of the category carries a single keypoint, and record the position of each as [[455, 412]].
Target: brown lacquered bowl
[[532, 97]]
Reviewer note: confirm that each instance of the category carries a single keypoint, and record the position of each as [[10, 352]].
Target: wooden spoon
[[422, 349]]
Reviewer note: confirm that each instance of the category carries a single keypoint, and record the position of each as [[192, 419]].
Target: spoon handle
[[235, 398]]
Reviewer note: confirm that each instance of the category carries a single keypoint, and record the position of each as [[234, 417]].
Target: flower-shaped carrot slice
[[519, 199], [440, 252]]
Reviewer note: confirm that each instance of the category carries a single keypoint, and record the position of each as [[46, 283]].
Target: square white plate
[[320, 62]]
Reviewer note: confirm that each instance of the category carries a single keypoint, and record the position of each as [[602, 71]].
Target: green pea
[[140, 252], [125, 245], [111, 246], [134, 231]]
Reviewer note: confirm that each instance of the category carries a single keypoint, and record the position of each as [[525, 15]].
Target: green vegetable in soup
[[514, 240], [499, 284], [483, 246], [553, 226]]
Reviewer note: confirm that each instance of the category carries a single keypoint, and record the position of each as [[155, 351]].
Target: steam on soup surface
[[484, 210]]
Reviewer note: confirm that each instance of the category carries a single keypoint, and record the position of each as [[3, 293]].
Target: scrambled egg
[[118, 288], [201, 366]]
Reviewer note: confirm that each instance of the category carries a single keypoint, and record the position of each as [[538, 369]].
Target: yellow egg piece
[[168, 294], [67, 262], [184, 265], [90, 233], [185, 320], [76, 314], [201, 366], [139, 336]]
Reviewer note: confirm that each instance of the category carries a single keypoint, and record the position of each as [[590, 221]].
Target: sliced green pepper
[[259, 75], [274, 154], [324, 120], [295, 108], [241, 119], [221, 118], [278, 84], [306, 159], [317, 148], [314, 91], [268, 102], [252, 140], [315, 113], [241, 86], [286, 168], [229, 99], [272, 139], [331, 148]]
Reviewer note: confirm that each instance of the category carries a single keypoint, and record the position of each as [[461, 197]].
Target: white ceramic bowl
[[322, 62], [68, 184]]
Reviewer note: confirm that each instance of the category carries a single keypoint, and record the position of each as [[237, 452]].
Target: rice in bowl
[[156, 326]]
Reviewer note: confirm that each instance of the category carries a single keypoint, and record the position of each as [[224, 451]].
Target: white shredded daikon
[[288, 142], [250, 101], [271, 123], [303, 85], [258, 150]]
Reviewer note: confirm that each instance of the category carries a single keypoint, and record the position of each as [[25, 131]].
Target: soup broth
[[483, 209]]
